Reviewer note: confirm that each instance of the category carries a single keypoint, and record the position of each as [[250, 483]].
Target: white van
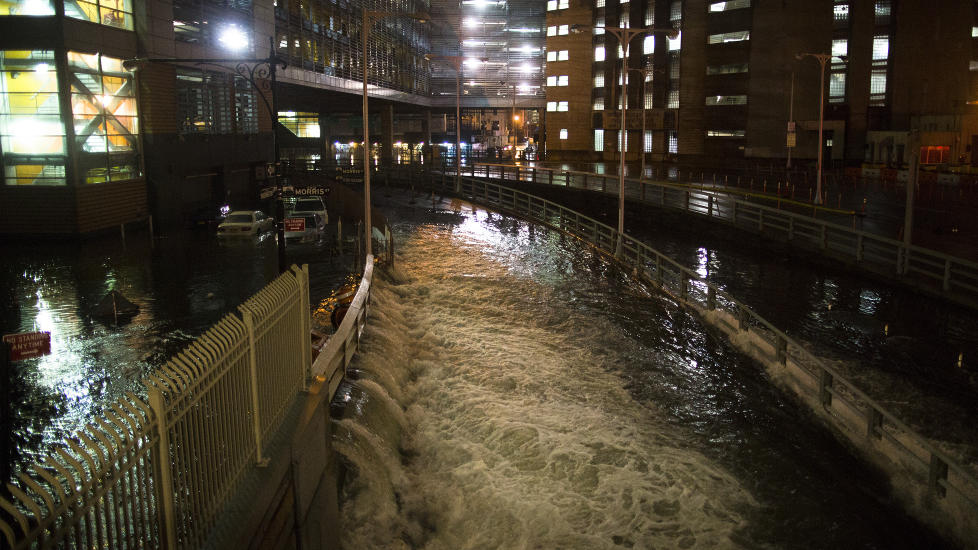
[[314, 205]]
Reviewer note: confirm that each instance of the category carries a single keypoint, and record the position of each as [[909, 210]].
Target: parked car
[[304, 227], [245, 223], [309, 204]]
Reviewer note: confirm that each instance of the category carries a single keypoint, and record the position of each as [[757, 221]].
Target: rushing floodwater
[[518, 391]]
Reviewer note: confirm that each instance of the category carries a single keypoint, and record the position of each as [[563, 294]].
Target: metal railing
[[158, 472], [931, 475], [825, 230]]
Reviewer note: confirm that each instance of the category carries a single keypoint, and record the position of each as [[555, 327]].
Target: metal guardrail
[[933, 477], [157, 473], [795, 223]]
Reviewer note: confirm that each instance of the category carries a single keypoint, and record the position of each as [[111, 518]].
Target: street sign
[[26, 345], [295, 224], [313, 191], [792, 139]]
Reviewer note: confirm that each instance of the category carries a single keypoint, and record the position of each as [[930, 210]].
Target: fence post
[[825, 388], [162, 472], [937, 475], [249, 323], [782, 351], [302, 276]]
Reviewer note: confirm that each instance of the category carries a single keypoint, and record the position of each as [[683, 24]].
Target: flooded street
[[182, 284]]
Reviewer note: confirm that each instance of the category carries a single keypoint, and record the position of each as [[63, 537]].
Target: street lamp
[[456, 61], [644, 71], [625, 36], [822, 58], [369, 17], [261, 75]]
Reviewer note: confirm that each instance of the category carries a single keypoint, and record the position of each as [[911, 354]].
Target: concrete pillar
[[426, 131], [387, 133]]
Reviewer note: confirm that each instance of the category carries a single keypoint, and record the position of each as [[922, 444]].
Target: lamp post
[[644, 71], [822, 58], [625, 36], [261, 75], [369, 17], [456, 61]]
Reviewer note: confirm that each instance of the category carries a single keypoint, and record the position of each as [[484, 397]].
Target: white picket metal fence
[[157, 472], [931, 476]]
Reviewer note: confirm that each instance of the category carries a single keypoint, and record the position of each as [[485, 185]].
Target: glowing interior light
[[526, 69], [233, 38], [42, 68], [353, 144], [471, 22]]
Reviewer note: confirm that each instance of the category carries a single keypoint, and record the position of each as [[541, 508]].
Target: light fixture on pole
[[822, 58], [261, 75], [369, 17], [625, 36], [456, 61]]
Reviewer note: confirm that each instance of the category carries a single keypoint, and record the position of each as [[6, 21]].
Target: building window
[[837, 88], [551, 106], [731, 5], [599, 53], [551, 5], [648, 45], [598, 141], [563, 133], [676, 11], [552, 30], [884, 9], [723, 38], [726, 133], [676, 43], [562, 80], [877, 87], [623, 20], [563, 55], [974, 32], [673, 100], [215, 103], [112, 13], [599, 104], [599, 3], [732, 68], [599, 81], [599, 25], [551, 81], [303, 125], [32, 130], [881, 48], [726, 100], [673, 143], [103, 106], [840, 14], [563, 29], [551, 56], [562, 106], [27, 7], [650, 14]]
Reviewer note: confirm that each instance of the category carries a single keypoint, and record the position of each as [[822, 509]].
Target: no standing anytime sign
[[28, 344]]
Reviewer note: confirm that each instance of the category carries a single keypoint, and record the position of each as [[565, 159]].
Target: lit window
[[841, 14], [563, 29], [599, 104], [648, 45], [563, 4], [648, 142], [884, 9], [673, 100], [840, 47], [563, 133], [551, 81], [837, 87], [562, 80], [726, 133], [112, 13], [676, 43], [877, 87], [551, 56], [673, 142], [551, 106], [563, 55], [303, 125], [623, 20], [103, 105], [552, 31], [726, 100], [621, 52], [562, 106], [551, 5], [599, 81], [676, 11], [599, 53], [599, 25], [733, 68], [599, 3], [27, 7], [973, 66], [723, 38], [32, 130], [974, 32], [881, 48], [731, 5], [598, 141]]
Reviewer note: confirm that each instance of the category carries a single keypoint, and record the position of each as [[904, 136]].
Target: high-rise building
[[744, 78], [113, 110]]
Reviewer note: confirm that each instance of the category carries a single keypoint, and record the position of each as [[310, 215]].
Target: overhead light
[[233, 38]]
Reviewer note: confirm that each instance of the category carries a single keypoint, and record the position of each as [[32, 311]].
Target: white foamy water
[[520, 434]]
